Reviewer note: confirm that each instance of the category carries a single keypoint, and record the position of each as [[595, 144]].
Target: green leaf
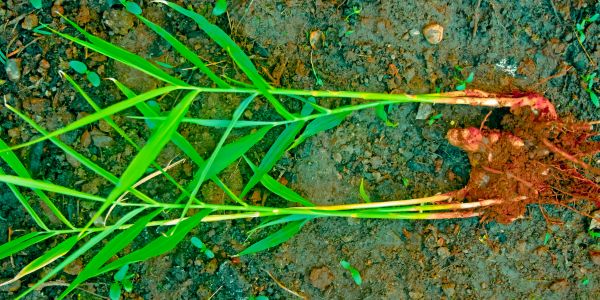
[[594, 18], [461, 87], [78, 66], [281, 236], [119, 54], [37, 4], [279, 147], [116, 244], [120, 275], [133, 8], [362, 192], [127, 285], [17, 166], [236, 53], [47, 258], [115, 291], [106, 112], [470, 78], [198, 243], [81, 250], [185, 52], [281, 220], [24, 242], [93, 78], [209, 254], [160, 245], [25, 202], [594, 99], [581, 37], [149, 152], [37, 184], [353, 271], [279, 189], [318, 125], [220, 7]]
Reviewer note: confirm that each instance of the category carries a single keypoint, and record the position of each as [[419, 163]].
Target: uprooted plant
[[539, 159]]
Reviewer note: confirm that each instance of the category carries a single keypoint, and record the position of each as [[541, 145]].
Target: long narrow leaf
[[185, 52], [161, 245], [151, 150], [279, 147], [37, 184], [45, 259], [83, 249], [279, 189], [23, 242], [281, 236], [318, 125], [15, 164], [236, 53], [115, 245], [119, 54], [108, 111]]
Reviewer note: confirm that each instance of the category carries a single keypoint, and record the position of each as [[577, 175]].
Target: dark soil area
[[528, 46]]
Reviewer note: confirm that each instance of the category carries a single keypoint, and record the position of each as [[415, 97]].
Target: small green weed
[[434, 118], [122, 281], [220, 7], [353, 272], [356, 10], [200, 245], [363, 193], [82, 69], [583, 24], [462, 83], [589, 80], [37, 4]]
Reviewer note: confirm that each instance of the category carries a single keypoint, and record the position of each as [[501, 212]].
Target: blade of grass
[[83, 249], [318, 125], [119, 54], [36, 184], [15, 164], [24, 201], [45, 259], [118, 129], [151, 150], [24, 242], [362, 192], [177, 138], [79, 157], [108, 111], [279, 189], [162, 244], [279, 147], [220, 123], [281, 236], [236, 53], [185, 52], [206, 168], [115, 245]]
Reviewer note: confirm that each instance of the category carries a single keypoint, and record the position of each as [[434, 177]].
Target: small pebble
[[433, 33], [13, 69], [414, 32]]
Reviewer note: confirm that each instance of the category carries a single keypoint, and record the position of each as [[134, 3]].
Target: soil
[[528, 46]]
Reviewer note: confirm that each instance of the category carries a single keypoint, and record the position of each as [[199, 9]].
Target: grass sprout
[[353, 272]]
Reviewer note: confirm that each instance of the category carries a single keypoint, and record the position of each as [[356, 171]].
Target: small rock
[[104, 126], [424, 111], [433, 33], [101, 140], [449, 289], [321, 278], [119, 21], [30, 22], [414, 32], [57, 9], [14, 132], [443, 252], [44, 64], [73, 161], [35, 105], [86, 139], [13, 69]]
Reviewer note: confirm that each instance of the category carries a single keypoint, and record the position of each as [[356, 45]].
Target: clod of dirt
[[321, 278], [30, 22], [119, 21], [595, 254], [100, 139], [538, 158], [559, 285], [235, 285], [434, 33]]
